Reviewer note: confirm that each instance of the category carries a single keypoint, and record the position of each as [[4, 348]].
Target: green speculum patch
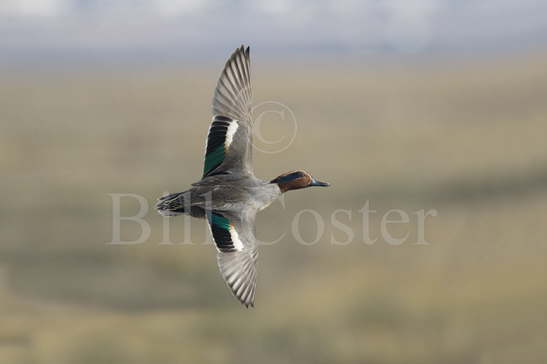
[[221, 221], [213, 159]]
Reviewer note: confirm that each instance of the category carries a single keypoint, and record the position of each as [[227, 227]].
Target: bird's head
[[297, 180]]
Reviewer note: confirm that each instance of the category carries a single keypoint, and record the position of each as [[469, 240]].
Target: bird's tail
[[171, 204]]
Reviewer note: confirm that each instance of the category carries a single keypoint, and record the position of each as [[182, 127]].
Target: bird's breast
[[265, 196]]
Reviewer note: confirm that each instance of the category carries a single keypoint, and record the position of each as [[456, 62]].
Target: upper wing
[[236, 253], [233, 93], [229, 139]]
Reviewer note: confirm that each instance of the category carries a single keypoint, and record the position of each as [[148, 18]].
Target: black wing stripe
[[222, 118], [220, 228], [216, 139], [222, 239]]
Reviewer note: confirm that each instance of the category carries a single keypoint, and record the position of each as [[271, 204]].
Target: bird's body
[[229, 195], [227, 192]]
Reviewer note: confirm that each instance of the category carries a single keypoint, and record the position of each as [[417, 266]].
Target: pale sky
[[371, 26]]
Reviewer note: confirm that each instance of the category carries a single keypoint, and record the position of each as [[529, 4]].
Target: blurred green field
[[464, 138]]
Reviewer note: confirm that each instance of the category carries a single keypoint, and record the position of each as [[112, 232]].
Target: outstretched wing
[[236, 253], [229, 138]]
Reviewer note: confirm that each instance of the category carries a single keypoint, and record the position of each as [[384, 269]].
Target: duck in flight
[[228, 194]]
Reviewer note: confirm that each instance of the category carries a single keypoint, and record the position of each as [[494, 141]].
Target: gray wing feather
[[232, 99], [239, 272], [237, 266], [233, 94]]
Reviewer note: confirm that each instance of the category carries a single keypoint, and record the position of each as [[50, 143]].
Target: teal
[[221, 221], [213, 158], [229, 195]]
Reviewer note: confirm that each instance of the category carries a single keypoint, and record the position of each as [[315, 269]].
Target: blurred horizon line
[[82, 59]]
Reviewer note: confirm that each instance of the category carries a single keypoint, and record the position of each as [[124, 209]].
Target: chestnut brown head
[[297, 180]]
